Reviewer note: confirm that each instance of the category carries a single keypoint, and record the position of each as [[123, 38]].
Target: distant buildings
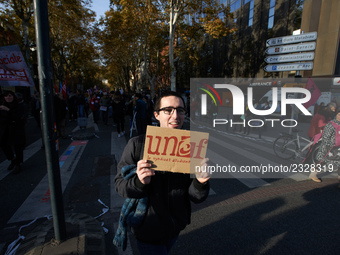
[[243, 54]]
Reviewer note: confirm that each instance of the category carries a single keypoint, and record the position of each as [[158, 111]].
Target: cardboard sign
[[175, 150]]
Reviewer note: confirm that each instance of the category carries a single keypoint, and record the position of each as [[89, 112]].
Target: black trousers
[[18, 150]]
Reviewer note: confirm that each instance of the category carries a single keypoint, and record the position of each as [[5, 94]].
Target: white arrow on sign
[[290, 58], [289, 67], [292, 39], [291, 48]]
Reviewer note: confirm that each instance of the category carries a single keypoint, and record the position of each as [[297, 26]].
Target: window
[[236, 5], [251, 13], [271, 14]]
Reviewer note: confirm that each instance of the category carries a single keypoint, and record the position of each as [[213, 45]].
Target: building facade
[[243, 53]]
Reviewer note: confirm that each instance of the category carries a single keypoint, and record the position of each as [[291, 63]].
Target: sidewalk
[[85, 234]]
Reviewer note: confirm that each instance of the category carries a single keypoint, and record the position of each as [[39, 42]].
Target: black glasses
[[170, 110]]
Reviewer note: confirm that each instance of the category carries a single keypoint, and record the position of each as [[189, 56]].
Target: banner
[[13, 68]]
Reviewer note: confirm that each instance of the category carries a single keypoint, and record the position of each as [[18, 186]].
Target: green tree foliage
[[17, 16], [131, 35], [138, 37], [73, 50]]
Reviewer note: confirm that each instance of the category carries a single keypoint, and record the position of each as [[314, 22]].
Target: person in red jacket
[[317, 123]]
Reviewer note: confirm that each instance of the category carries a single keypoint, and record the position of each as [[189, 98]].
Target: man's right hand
[[144, 172]]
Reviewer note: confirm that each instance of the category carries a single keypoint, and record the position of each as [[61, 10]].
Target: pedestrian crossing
[[261, 153], [37, 204]]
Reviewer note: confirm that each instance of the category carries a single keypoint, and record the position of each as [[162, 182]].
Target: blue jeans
[[153, 249], [80, 111]]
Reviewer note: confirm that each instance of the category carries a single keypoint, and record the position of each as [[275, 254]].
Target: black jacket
[[169, 194], [12, 124]]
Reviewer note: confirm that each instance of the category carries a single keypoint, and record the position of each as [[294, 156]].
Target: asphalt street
[[254, 215]]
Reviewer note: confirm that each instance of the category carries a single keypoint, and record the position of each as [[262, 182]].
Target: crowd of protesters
[[138, 108], [104, 106]]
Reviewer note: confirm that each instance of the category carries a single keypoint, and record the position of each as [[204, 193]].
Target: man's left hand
[[203, 176]]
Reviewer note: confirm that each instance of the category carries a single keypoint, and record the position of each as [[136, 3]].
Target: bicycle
[[287, 146]]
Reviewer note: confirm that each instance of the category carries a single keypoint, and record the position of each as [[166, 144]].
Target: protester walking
[[118, 111], [328, 154], [60, 110], [81, 104], [104, 107], [94, 106]]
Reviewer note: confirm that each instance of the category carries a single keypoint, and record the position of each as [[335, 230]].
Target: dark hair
[[7, 92], [167, 94], [330, 105]]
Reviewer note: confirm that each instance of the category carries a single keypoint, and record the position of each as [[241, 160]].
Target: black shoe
[[17, 169], [12, 165]]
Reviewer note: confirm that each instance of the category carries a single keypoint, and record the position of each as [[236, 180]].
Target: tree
[[24, 11], [73, 50], [130, 38], [72, 44], [144, 28], [203, 15]]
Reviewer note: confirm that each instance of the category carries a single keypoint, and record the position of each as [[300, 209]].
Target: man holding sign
[[168, 194]]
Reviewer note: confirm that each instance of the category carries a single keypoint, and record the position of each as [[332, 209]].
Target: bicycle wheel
[[285, 147], [314, 152]]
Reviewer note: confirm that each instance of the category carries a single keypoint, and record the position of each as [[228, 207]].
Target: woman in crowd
[[13, 115], [329, 153]]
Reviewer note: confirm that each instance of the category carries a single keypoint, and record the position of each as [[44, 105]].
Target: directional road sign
[[290, 58], [289, 67], [292, 39], [291, 48], [336, 81]]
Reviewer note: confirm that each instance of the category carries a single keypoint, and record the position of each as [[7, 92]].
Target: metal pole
[[46, 96]]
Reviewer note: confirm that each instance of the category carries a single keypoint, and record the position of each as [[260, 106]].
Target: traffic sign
[[292, 39], [291, 48], [290, 58], [289, 67], [336, 81]]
